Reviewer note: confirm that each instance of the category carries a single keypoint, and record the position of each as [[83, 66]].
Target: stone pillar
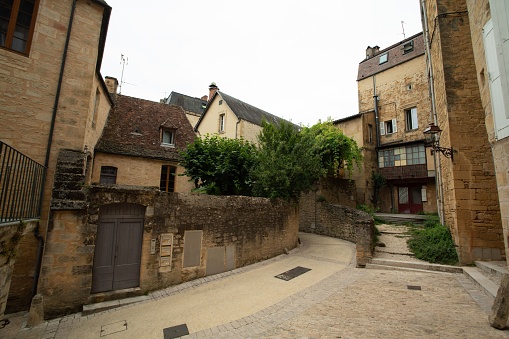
[[36, 313], [364, 241]]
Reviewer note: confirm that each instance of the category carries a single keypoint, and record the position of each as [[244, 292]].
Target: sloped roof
[[133, 129], [371, 66], [244, 111], [190, 104]]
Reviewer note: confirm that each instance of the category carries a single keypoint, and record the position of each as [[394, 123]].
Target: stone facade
[[396, 76], [470, 204], [29, 86], [256, 228]]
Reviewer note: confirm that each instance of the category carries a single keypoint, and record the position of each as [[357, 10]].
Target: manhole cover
[[293, 273], [113, 328], [417, 288], [175, 331]]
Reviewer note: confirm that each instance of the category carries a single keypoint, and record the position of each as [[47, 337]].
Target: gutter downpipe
[[40, 239], [433, 114]]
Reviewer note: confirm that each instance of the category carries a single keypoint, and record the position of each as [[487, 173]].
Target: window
[[168, 137], [370, 133], [402, 156], [168, 178], [108, 175], [388, 127], [220, 102], [408, 47], [222, 122], [17, 21], [383, 58], [411, 119]]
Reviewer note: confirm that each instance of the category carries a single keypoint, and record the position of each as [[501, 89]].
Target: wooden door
[[117, 254], [409, 199]]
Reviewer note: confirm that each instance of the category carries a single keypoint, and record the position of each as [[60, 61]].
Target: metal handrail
[[20, 185]]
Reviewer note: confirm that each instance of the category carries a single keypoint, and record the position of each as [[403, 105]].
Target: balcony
[[406, 172]]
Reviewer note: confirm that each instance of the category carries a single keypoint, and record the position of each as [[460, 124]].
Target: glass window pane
[[26, 6], [18, 45], [24, 19], [403, 195]]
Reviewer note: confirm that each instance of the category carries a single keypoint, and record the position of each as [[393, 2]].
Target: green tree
[[220, 165], [335, 149], [287, 163]]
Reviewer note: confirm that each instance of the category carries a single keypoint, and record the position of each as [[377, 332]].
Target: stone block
[[500, 309]]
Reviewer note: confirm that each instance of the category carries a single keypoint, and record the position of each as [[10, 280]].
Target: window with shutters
[[411, 119], [388, 127], [17, 22], [497, 53]]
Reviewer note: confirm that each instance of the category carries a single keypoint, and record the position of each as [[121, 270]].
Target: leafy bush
[[371, 210], [433, 243]]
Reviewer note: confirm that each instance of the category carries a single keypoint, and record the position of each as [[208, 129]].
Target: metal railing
[[20, 185]]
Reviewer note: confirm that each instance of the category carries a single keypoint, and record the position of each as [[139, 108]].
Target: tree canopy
[[286, 162]]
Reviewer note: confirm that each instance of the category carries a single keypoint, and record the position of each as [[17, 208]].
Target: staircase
[[403, 218]]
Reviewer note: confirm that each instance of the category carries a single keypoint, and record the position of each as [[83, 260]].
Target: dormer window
[[383, 58], [408, 47], [168, 137]]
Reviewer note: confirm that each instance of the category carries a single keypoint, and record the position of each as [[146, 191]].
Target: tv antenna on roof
[[124, 60], [403, 27]]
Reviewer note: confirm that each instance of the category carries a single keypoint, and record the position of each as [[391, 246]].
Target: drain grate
[[293, 273], [175, 331], [119, 326], [412, 287]]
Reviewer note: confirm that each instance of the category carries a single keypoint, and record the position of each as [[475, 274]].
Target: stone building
[[393, 113], [140, 146], [52, 97], [467, 63], [232, 118]]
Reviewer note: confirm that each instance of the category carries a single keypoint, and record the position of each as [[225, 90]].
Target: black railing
[[20, 185]]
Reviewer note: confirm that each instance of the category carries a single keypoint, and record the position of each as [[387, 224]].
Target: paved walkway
[[333, 300]]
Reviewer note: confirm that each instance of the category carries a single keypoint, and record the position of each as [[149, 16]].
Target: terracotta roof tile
[[133, 128]]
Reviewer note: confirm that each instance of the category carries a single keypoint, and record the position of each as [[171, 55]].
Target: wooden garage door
[[117, 254]]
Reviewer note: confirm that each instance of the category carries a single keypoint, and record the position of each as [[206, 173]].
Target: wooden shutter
[[394, 126], [498, 105], [382, 128]]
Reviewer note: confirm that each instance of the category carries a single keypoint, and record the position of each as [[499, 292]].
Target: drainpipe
[[433, 114], [39, 238], [375, 99]]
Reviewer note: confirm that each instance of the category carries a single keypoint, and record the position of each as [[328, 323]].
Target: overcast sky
[[293, 58]]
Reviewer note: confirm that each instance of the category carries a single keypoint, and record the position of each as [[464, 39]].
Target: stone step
[[399, 268], [107, 305], [495, 268], [482, 281], [418, 265]]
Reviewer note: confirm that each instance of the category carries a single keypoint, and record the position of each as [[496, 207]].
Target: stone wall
[[255, 228], [319, 216], [479, 14], [10, 236], [471, 204], [29, 86]]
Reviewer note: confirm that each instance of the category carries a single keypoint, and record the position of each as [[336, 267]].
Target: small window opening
[[167, 183], [108, 175], [408, 47], [383, 58], [168, 137]]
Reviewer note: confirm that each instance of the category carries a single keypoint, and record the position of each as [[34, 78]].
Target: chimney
[[372, 51], [212, 90], [204, 98], [112, 85]]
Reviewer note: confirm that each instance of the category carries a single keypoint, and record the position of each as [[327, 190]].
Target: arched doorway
[[118, 243]]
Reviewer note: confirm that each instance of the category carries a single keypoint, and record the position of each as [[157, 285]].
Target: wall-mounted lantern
[[432, 135]]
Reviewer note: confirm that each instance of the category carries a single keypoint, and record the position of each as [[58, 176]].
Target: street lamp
[[429, 134]]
